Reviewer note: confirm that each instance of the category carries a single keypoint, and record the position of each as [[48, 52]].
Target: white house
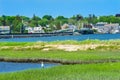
[[4, 29], [38, 29], [103, 27], [113, 28], [35, 29]]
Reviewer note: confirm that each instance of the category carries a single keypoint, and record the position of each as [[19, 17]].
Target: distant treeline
[[19, 22]]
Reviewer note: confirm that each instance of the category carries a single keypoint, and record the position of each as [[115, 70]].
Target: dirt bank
[[58, 61]]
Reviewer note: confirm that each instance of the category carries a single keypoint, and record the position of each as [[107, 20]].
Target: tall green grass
[[114, 42], [62, 55], [106, 71], [103, 45]]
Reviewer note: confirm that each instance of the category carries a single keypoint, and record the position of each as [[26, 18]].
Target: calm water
[[72, 37], [11, 67]]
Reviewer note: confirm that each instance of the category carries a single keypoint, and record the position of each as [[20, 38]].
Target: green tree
[[92, 19], [43, 22], [61, 20], [57, 24], [79, 17], [48, 17], [3, 20], [109, 19], [17, 24], [71, 21], [34, 21]]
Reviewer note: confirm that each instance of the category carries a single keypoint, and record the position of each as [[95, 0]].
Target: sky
[[56, 8]]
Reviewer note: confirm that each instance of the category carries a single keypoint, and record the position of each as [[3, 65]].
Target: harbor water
[[59, 38]]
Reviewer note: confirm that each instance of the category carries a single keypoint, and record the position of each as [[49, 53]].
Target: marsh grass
[[105, 71], [95, 41], [88, 41], [62, 55], [103, 45], [110, 47], [110, 50]]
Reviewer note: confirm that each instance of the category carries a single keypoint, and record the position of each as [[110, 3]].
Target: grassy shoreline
[[64, 57], [102, 51], [106, 71], [68, 45], [104, 54], [88, 41]]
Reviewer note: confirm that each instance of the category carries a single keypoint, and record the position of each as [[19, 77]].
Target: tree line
[[18, 23]]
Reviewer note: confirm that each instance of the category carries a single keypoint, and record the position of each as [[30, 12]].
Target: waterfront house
[[35, 29], [38, 29], [4, 29], [68, 27], [113, 28], [103, 27], [29, 29], [86, 31], [90, 26]]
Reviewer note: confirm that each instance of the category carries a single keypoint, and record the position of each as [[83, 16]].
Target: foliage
[[48, 17], [43, 22], [109, 19], [17, 21]]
